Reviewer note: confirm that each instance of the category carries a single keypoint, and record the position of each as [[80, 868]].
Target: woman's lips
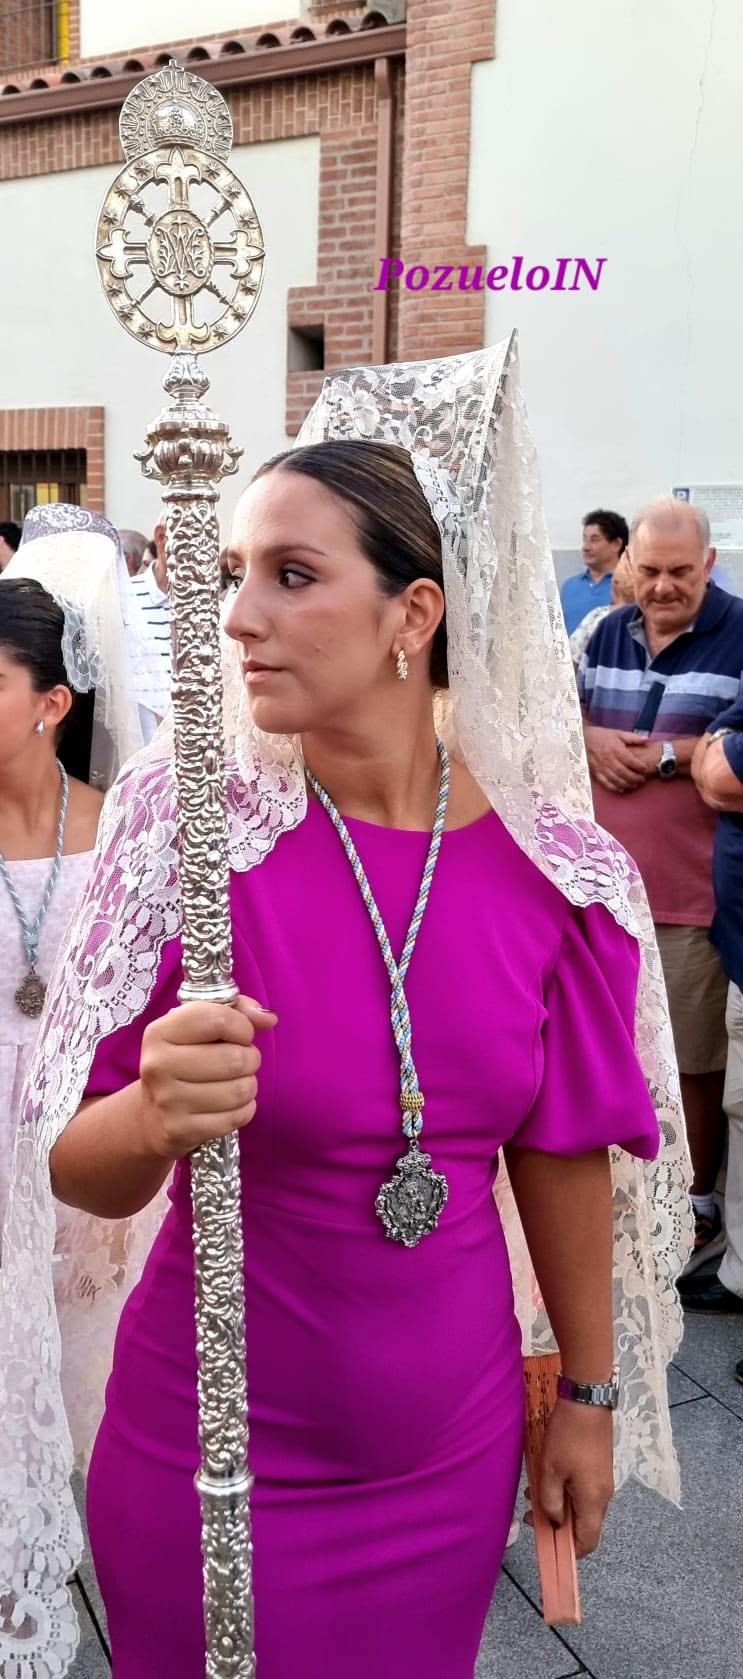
[[258, 673]]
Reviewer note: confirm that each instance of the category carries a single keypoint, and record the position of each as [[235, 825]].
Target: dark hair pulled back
[[31, 629], [396, 528]]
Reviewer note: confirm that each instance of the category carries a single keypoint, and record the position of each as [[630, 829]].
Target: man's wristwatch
[[668, 765], [590, 1393]]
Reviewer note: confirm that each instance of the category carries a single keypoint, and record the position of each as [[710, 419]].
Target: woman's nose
[[243, 617]]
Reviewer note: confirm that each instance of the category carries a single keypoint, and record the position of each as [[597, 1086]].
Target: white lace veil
[[78, 558], [512, 715]]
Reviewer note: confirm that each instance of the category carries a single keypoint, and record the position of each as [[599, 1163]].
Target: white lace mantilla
[[77, 556], [513, 716]]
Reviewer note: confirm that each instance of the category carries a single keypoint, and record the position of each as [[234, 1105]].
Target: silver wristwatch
[[590, 1393], [668, 765]]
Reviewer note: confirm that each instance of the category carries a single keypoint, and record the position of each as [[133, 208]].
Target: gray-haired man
[[653, 678]]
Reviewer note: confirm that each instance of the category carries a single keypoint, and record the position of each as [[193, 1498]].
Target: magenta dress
[[385, 1384]]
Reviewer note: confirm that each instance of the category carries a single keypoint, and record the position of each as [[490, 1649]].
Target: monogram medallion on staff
[[179, 245]]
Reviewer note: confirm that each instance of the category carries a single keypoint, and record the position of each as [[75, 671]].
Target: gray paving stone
[[709, 1352], [681, 1388], [86, 1571], [90, 1661], [661, 1598], [517, 1644]]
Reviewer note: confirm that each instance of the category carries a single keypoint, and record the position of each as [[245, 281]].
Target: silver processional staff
[[180, 255]]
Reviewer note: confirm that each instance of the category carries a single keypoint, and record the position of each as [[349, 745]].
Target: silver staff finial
[[179, 247], [180, 254]]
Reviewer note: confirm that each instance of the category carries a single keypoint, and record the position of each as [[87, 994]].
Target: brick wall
[[443, 42], [60, 428], [342, 108], [432, 137], [341, 302], [27, 33]]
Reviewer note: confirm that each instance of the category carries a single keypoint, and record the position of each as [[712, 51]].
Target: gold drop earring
[[402, 666]]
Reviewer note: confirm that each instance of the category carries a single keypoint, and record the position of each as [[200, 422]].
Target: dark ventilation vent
[[306, 349]]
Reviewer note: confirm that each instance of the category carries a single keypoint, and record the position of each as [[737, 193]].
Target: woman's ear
[[56, 706], [424, 608]]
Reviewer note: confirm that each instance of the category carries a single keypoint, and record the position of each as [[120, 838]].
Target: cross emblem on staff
[[179, 249]]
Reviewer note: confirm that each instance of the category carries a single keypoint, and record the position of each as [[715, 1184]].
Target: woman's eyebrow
[[275, 548]]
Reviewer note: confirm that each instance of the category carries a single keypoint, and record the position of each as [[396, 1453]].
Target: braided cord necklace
[[29, 997], [409, 1204]]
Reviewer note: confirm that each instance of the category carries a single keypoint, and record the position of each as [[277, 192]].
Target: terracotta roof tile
[[46, 77]]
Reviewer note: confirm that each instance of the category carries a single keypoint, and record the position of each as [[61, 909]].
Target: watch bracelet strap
[[604, 1394]]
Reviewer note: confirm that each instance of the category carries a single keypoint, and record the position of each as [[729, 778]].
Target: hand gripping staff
[[180, 255]]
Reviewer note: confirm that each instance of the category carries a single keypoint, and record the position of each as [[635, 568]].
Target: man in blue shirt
[[717, 768], [605, 536]]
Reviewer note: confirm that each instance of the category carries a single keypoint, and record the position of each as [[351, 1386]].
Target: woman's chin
[[273, 717]]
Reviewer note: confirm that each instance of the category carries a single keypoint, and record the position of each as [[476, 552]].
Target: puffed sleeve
[[591, 1092], [116, 1060]]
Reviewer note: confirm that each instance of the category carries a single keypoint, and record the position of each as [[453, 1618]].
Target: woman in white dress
[[64, 734], [48, 826]]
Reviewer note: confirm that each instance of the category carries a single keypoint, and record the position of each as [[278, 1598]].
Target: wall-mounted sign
[[723, 505]]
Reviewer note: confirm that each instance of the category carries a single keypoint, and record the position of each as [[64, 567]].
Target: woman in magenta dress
[[386, 1385], [385, 1380]]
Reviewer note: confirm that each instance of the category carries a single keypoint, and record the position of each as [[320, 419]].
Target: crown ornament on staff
[[180, 255]]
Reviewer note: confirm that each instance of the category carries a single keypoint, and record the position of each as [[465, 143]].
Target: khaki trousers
[[731, 1268]]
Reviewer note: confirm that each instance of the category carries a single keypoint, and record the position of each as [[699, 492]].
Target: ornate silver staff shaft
[[155, 263]]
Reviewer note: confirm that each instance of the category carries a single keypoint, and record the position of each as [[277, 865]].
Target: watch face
[[667, 768]]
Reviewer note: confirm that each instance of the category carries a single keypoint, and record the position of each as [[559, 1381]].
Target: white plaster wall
[[615, 130], [106, 27], [63, 345]]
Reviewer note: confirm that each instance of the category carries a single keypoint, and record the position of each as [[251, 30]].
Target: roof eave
[[100, 93]]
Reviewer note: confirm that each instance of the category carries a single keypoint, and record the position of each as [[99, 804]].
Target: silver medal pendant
[[410, 1203], [30, 995]]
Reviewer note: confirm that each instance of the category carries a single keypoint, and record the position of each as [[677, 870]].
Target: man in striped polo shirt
[[652, 680]]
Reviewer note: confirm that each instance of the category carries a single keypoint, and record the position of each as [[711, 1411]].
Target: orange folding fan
[[556, 1560]]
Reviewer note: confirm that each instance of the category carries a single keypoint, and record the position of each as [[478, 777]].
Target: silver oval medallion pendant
[[29, 997], [410, 1203]]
